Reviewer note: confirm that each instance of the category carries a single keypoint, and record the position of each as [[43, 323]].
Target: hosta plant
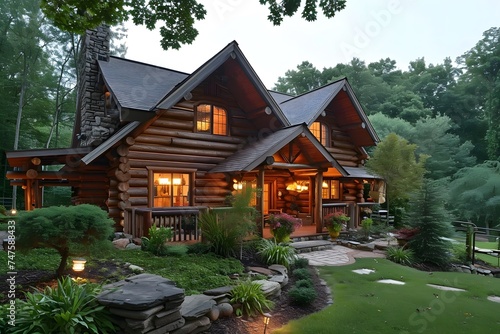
[[68, 308]]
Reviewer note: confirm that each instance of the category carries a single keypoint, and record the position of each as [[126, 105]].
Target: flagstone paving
[[338, 256]]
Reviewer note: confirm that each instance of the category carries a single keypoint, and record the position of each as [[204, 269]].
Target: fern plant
[[68, 308], [249, 296]]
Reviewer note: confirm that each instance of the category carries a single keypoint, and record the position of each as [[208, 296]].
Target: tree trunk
[[64, 252]]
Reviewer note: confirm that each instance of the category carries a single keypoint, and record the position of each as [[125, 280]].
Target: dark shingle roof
[[280, 97], [306, 108], [137, 85], [255, 153]]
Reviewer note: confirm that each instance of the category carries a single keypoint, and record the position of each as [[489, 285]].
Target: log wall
[[171, 143]]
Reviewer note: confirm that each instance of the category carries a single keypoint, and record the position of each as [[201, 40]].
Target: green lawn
[[487, 258], [362, 305]]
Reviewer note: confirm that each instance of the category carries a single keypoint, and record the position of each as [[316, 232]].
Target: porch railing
[[182, 220]]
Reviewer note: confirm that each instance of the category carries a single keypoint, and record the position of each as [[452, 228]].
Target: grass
[[194, 273], [484, 257], [361, 305]]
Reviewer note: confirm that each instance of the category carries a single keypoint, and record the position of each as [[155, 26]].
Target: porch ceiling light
[[164, 181]]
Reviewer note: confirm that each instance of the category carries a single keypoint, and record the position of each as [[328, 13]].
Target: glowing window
[[211, 119], [331, 189], [320, 131], [170, 189]]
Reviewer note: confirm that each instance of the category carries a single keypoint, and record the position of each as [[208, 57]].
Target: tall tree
[[474, 194], [395, 160], [428, 215], [25, 73], [446, 153], [483, 63], [305, 78]]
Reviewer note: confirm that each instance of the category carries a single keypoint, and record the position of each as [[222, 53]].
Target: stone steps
[[308, 246], [320, 242]]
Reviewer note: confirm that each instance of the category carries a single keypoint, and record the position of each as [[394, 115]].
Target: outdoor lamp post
[[267, 317], [79, 264]]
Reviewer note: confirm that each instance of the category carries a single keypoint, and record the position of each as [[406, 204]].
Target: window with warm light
[[211, 119], [320, 131], [171, 189], [331, 189]]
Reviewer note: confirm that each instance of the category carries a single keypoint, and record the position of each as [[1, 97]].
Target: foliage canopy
[[63, 228]]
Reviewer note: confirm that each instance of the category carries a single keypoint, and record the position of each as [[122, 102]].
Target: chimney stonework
[[95, 125]]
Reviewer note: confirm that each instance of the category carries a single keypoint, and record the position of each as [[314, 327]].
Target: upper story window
[[211, 119], [320, 131]]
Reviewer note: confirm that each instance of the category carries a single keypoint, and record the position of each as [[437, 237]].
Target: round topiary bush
[[302, 296], [301, 273]]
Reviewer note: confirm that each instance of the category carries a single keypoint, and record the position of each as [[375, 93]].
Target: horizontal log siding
[[171, 142]]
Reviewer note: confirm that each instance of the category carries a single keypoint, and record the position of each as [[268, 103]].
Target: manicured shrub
[[301, 273], [69, 308], [301, 262], [63, 228], [302, 296], [304, 283], [155, 243], [400, 255], [272, 252], [250, 298]]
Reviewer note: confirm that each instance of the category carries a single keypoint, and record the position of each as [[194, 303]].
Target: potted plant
[[283, 225], [336, 222]]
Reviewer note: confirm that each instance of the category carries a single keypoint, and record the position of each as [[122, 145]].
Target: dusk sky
[[403, 30]]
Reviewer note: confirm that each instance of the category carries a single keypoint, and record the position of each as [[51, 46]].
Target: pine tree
[[429, 216]]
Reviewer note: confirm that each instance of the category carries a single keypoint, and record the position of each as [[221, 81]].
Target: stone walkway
[[338, 256]]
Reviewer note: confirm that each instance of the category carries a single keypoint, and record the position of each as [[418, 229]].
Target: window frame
[[165, 170], [324, 133], [212, 114], [332, 184]]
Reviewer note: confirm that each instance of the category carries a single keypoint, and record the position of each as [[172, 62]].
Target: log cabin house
[[152, 143]]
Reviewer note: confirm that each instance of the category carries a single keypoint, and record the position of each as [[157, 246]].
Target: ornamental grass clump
[[283, 225], [272, 252], [249, 297]]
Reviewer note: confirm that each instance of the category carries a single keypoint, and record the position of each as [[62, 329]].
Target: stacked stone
[[96, 125], [144, 304]]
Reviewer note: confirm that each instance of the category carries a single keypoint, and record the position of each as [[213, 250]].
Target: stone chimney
[[92, 124]]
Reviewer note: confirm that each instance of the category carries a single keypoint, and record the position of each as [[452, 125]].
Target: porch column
[[318, 208], [28, 195], [260, 202]]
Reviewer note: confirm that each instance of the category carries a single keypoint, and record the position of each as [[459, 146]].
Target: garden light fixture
[[267, 318], [79, 264]]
